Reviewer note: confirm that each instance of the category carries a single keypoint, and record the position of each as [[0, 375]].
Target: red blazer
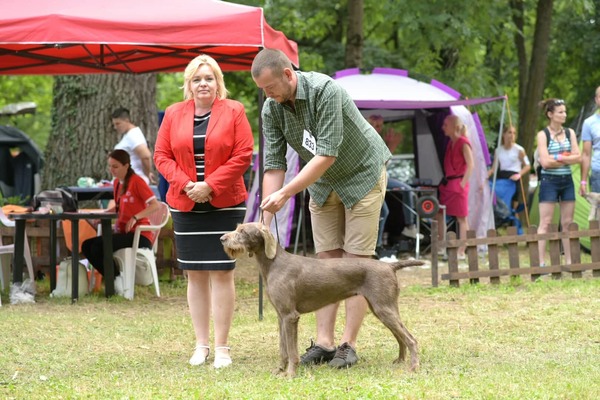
[[228, 152]]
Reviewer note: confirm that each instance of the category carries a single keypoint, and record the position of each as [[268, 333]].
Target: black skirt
[[198, 233]]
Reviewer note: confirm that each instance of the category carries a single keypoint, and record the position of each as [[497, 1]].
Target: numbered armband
[[309, 142]]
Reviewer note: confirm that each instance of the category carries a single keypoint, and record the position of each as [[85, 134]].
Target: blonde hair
[[459, 125], [191, 70]]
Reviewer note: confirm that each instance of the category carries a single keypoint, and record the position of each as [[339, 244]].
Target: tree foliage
[[481, 48], [37, 89]]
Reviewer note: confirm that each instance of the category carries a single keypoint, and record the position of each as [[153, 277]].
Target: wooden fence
[[510, 244]]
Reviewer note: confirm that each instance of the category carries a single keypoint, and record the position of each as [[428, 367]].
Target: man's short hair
[[121, 113], [272, 59]]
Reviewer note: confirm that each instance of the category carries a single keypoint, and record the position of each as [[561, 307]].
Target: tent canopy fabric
[[395, 96], [11, 137], [133, 36], [392, 89], [19, 174]]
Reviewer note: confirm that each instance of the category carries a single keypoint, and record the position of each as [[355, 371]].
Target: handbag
[[58, 197], [143, 269], [64, 279]]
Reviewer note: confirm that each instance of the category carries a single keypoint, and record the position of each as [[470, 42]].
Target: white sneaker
[[119, 285], [200, 355], [411, 231]]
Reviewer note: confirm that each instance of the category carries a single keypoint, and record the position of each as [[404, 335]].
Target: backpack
[[64, 279], [59, 197]]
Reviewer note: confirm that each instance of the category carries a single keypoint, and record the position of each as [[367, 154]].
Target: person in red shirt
[[458, 166], [134, 201]]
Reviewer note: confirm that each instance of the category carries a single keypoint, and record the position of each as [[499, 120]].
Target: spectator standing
[[134, 142], [458, 166], [590, 135], [556, 181]]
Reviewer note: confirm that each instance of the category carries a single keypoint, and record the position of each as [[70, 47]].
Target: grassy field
[[518, 340]]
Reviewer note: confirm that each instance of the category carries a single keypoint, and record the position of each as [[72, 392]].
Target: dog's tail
[[405, 263]]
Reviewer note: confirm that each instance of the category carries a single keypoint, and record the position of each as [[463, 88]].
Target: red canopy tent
[[131, 36]]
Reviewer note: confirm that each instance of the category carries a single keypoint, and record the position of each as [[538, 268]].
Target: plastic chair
[[10, 249], [128, 258]]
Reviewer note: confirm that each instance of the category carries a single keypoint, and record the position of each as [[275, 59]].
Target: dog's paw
[[290, 374], [284, 373], [414, 366]]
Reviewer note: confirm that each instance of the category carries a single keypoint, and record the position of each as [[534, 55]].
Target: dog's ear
[[270, 244]]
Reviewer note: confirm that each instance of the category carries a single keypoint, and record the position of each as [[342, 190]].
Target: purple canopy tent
[[392, 94]]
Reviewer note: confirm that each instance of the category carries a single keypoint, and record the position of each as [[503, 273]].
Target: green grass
[[517, 340]]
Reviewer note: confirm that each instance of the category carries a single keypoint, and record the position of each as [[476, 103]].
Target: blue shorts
[[556, 188], [594, 183]]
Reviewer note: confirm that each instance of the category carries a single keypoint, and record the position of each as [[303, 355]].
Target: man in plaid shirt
[[344, 173]]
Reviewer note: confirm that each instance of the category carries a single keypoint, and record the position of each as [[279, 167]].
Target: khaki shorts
[[353, 230]]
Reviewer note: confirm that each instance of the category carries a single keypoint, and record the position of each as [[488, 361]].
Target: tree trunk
[[82, 132], [518, 17], [354, 36], [529, 112]]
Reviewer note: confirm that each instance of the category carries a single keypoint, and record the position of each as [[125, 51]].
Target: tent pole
[[261, 172], [493, 191]]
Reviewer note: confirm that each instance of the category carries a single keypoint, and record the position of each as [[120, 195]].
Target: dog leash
[[262, 221]]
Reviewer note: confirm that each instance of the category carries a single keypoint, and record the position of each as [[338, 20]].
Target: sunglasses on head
[[559, 102]]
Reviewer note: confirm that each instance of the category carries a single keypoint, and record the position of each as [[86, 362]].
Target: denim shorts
[[556, 188]]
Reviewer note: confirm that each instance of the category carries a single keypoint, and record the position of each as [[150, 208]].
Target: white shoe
[[119, 285], [411, 232], [200, 355], [222, 360]]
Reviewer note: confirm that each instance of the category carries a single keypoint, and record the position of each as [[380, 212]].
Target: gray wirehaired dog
[[298, 285]]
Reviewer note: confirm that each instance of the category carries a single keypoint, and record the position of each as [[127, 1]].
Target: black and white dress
[[197, 232]]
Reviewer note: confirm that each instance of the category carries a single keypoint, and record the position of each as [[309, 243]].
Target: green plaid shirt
[[326, 110]]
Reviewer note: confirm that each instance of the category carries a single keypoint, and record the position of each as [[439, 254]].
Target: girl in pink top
[[458, 166]]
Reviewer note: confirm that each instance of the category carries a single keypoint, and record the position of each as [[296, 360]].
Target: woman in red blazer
[[204, 147]]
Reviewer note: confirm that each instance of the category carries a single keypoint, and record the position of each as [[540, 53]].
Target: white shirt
[[509, 159], [132, 139]]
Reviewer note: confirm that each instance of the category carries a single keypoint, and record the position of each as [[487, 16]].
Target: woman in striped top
[[204, 147], [556, 156]]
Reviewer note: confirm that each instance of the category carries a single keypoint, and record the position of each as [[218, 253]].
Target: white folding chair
[[128, 258], [9, 249]]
